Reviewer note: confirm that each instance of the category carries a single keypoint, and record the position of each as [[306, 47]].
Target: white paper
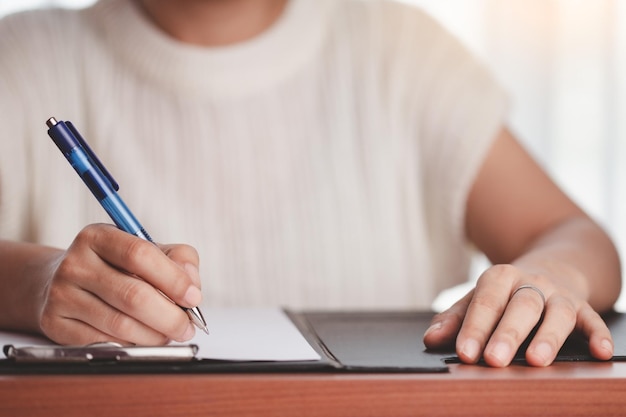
[[252, 335], [235, 334]]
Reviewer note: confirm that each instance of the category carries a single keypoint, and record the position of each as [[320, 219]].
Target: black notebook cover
[[393, 340], [375, 341]]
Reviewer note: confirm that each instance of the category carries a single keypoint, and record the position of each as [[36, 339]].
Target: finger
[[522, 313], [187, 257], [558, 322], [445, 326], [596, 331], [136, 298], [491, 296], [68, 305], [57, 324], [145, 260], [67, 331], [90, 310]]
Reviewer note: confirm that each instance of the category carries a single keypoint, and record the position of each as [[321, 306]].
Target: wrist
[[27, 270]]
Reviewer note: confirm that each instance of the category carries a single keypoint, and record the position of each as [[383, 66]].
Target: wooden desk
[[564, 389]]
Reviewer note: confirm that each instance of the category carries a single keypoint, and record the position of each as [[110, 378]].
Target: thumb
[[186, 257]]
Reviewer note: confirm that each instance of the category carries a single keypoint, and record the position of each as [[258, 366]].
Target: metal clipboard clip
[[101, 352]]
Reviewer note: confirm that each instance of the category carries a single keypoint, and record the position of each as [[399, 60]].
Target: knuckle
[[451, 316], [512, 335], [190, 252], [133, 294], [529, 300], [175, 284], [118, 324], [57, 295], [487, 303], [88, 234], [47, 322], [499, 272], [567, 310], [136, 250], [66, 268], [50, 319], [92, 228]]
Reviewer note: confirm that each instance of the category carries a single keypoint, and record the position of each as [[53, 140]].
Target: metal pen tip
[[196, 317]]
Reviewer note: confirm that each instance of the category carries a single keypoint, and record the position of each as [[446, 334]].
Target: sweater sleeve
[[456, 108], [464, 109]]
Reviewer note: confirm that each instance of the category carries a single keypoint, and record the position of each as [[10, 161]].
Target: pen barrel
[[123, 217], [95, 176], [103, 187], [103, 190]]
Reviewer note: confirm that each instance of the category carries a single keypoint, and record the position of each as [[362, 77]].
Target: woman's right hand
[[109, 286]]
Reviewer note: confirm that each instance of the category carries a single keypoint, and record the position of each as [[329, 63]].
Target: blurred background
[[564, 65]]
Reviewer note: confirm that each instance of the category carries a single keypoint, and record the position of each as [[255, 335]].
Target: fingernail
[[193, 296], [607, 345], [433, 328], [502, 353], [193, 272], [544, 351], [471, 349]]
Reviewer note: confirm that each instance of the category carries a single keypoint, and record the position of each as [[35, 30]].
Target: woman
[[329, 154]]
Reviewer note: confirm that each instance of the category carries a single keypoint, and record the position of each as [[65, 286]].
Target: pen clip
[[83, 144]]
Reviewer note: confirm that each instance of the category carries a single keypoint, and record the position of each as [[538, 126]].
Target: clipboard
[[347, 341]]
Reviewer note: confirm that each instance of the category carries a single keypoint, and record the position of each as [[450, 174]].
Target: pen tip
[[196, 317]]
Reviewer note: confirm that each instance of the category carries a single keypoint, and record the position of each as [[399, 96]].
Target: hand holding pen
[[109, 285]]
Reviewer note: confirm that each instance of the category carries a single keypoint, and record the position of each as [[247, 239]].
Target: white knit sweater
[[325, 163]]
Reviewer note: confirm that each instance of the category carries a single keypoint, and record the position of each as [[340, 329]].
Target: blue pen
[[103, 187]]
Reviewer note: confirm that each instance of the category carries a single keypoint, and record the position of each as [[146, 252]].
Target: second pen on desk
[[103, 187]]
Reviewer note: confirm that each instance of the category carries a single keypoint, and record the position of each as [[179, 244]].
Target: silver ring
[[531, 287]]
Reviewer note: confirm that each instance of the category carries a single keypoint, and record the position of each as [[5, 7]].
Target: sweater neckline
[[239, 69]]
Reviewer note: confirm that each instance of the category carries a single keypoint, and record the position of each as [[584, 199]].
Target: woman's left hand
[[494, 319]]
